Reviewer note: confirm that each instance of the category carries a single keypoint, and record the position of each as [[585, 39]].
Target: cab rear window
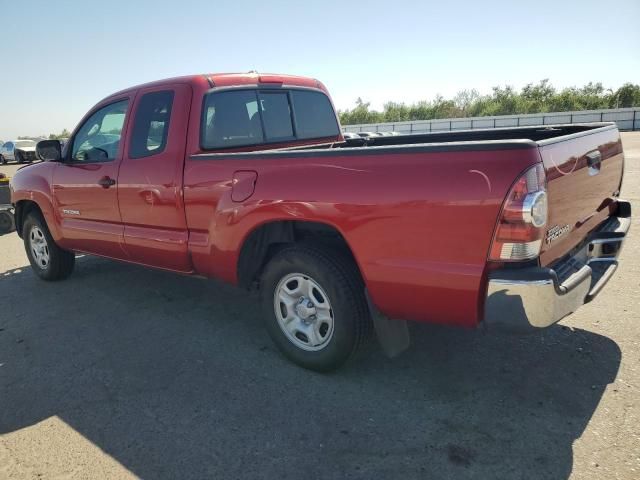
[[314, 114], [252, 116]]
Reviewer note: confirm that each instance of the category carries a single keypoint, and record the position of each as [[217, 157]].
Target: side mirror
[[49, 150]]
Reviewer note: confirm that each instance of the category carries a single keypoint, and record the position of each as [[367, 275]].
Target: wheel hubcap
[[303, 312], [39, 247]]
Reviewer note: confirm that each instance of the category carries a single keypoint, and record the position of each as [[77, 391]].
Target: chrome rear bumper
[[528, 299]]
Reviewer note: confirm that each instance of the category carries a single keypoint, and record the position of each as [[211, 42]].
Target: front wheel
[[314, 306], [48, 261], [18, 157], [3, 160]]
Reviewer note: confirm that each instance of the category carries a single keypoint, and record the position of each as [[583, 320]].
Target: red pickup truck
[[247, 178]]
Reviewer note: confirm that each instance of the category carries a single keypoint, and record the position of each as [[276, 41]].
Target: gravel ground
[[124, 372]]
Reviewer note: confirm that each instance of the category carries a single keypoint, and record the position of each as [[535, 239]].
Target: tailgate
[[584, 172]]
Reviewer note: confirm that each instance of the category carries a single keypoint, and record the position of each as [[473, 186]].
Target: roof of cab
[[211, 80]]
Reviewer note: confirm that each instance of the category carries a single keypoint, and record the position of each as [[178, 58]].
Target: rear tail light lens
[[521, 225]]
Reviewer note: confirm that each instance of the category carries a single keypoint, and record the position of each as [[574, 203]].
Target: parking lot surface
[[125, 372]]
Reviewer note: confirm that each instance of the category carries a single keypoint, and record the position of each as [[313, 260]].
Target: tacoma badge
[[556, 232]]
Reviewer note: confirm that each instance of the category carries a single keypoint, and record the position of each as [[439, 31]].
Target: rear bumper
[[527, 299]]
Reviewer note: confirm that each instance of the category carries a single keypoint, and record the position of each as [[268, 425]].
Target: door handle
[[594, 162], [106, 182]]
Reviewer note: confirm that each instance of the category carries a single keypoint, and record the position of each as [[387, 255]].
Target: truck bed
[[579, 198], [540, 134]]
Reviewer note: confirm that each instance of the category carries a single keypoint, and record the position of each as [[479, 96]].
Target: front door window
[[98, 139]]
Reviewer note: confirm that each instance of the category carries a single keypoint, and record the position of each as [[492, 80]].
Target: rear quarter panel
[[419, 223]]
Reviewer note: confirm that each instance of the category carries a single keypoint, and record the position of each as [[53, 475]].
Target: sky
[[60, 58]]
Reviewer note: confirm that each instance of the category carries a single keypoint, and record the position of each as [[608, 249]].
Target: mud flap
[[393, 335]]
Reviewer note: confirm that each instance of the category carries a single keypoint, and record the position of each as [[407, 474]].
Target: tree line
[[532, 98], [52, 136], [62, 135]]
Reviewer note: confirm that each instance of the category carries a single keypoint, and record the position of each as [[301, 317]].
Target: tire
[[40, 246], [7, 222], [333, 309], [3, 160], [18, 157]]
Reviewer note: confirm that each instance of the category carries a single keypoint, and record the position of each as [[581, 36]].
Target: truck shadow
[[176, 378]]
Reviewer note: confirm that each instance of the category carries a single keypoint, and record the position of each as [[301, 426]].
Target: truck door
[[84, 185], [150, 179]]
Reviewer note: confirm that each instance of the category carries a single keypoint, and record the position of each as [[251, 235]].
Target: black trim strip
[[209, 81], [382, 150]]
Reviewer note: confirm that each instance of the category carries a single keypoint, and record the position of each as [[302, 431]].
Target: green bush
[[533, 98]]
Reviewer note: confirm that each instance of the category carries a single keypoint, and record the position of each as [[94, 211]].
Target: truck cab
[[117, 190]]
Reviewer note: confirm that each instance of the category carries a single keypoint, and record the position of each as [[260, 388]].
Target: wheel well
[[265, 241], [23, 208]]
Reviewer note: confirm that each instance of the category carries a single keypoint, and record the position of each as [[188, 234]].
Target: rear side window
[[231, 119], [314, 115], [251, 117], [151, 124]]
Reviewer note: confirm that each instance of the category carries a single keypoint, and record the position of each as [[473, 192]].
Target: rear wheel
[[314, 306], [48, 261]]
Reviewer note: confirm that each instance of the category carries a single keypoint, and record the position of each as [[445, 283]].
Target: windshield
[[25, 143]]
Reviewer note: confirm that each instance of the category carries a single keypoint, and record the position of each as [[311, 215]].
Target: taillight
[[524, 214]]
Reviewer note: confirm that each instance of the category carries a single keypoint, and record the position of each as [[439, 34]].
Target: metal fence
[[625, 118]]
